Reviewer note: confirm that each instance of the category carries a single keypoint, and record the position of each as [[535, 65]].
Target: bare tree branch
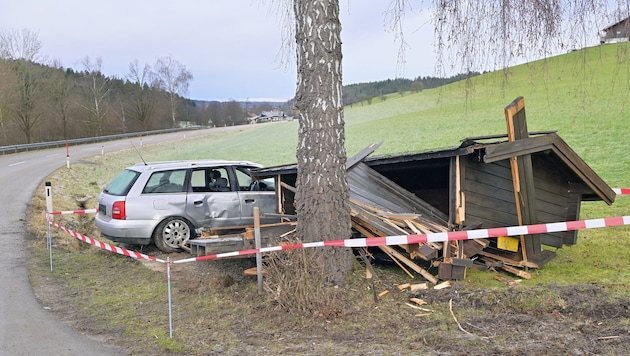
[[19, 44], [175, 79]]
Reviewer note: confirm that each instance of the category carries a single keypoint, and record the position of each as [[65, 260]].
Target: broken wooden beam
[[428, 276]]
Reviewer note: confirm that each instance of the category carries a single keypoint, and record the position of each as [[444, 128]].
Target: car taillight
[[118, 210]]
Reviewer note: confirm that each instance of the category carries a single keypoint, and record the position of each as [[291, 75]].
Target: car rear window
[[122, 183]]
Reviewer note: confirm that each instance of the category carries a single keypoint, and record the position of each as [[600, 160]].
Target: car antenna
[[134, 146]]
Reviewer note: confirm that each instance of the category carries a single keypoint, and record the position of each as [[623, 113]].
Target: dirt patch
[[198, 277]]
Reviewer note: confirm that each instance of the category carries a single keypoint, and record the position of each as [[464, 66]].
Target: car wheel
[[172, 233]]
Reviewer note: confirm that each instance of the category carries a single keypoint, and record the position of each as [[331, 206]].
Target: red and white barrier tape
[[435, 237], [69, 212], [621, 191], [108, 247], [381, 241]]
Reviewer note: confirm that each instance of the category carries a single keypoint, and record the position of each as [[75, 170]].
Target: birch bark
[[322, 198]]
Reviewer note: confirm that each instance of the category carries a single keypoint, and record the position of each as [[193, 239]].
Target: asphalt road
[[26, 327]]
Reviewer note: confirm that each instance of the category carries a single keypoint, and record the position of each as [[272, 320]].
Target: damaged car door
[[211, 201], [255, 193]]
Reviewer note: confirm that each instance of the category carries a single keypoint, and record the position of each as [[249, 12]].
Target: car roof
[[162, 165]]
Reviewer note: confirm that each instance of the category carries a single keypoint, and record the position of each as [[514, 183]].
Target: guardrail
[[78, 141]]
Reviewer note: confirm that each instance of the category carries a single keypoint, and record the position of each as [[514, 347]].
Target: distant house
[[268, 116], [617, 32], [273, 115]]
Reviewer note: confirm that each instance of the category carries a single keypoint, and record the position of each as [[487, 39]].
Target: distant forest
[[355, 93], [40, 103]]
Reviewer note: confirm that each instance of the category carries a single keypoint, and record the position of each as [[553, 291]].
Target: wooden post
[[259, 269], [523, 179]]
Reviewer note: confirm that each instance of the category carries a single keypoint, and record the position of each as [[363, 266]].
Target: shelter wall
[[489, 196]]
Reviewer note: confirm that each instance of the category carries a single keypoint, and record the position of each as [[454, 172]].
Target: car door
[[211, 200], [261, 194]]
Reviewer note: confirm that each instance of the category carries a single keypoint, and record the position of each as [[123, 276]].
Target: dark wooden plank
[[523, 177], [476, 176], [489, 194], [506, 150], [490, 218], [487, 137], [573, 213], [362, 154], [493, 188], [456, 187]]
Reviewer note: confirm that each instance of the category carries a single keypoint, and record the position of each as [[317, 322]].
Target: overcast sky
[[231, 47]]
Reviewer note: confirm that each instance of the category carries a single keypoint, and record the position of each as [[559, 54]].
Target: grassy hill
[[582, 94]]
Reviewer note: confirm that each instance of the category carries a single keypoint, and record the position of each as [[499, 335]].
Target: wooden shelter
[[493, 181]]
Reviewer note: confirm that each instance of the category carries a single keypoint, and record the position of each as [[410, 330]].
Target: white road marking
[[17, 163]]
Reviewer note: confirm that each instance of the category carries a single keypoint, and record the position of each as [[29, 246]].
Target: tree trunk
[[173, 108], [322, 188]]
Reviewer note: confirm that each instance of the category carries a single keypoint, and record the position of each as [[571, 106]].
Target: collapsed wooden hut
[[520, 178]]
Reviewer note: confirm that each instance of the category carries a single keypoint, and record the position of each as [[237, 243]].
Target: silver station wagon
[[167, 202]]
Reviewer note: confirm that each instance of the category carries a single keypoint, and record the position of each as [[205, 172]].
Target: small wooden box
[[447, 271]]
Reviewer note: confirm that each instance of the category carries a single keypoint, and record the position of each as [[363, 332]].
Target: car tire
[[172, 233]]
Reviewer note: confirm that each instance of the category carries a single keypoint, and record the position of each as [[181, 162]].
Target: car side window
[[243, 178], [210, 179], [166, 182], [199, 180], [246, 183]]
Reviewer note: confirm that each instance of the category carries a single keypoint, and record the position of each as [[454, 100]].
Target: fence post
[[259, 270], [170, 304], [49, 209]]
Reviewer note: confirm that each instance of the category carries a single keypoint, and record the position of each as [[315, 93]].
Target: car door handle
[[250, 201], [198, 202]]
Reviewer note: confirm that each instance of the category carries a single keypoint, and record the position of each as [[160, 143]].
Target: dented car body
[[168, 202]]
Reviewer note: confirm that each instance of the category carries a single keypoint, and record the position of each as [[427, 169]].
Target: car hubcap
[[176, 233]]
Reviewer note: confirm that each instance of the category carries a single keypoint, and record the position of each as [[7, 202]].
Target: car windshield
[[122, 183]]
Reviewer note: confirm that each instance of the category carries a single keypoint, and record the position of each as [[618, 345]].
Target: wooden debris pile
[[380, 207]]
